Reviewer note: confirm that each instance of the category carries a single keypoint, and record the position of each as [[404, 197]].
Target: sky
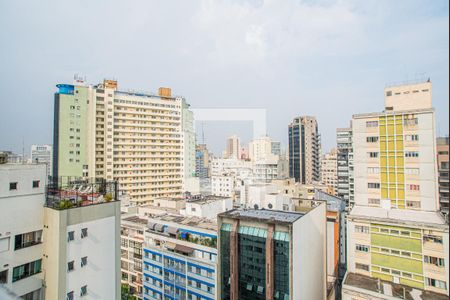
[[329, 59]]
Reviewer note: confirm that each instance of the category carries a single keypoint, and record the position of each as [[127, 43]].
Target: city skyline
[[287, 54]]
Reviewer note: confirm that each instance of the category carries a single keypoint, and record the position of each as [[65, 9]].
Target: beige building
[[133, 137], [233, 147], [443, 169], [261, 149], [328, 171], [395, 232], [304, 150]]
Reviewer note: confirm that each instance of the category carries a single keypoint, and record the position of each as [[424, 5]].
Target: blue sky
[[329, 59]]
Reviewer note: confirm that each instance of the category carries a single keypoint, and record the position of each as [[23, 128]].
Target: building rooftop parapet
[[392, 112], [275, 216]]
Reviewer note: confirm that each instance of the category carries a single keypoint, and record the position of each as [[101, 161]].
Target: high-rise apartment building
[[328, 171], [345, 181], [43, 154], [82, 240], [262, 149], [187, 117], [395, 232], [268, 254], [233, 147], [180, 255], [202, 161], [135, 138], [304, 150], [443, 169], [22, 195]]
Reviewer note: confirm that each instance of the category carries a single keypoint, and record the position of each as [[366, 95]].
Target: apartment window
[[26, 270], [404, 253], [70, 266], [361, 229], [413, 204], [408, 275], [3, 277], [434, 260], [412, 171], [362, 267], [436, 283], [12, 186], [395, 272], [70, 236], [362, 248], [27, 239], [83, 290], [372, 139], [4, 244], [84, 233], [388, 93], [69, 296], [411, 137], [411, 154], [372, 124], [385, 270], [413, 187], [372, 170], [373, 185], [84, 261], [374, 201], [35, 183], [411, 121], [432, 239], [372, 154]]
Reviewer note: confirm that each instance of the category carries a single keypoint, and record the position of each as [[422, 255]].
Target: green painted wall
[[412, 283], [399, 263], [396, 242], [68, 119]]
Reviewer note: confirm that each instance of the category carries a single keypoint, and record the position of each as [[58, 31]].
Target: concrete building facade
[[43, 154], [345, 179], [443, 169], [328, 171], [233, 149]]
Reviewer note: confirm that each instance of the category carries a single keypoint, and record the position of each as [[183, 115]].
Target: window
[[69, 296], [407, 275], [411, 154], [371, 170], [70, 236], [13, 186], [83, 290], [26, 270], [35, 183], [84, 261], [373, 185], [413, 204], [372, 139], [374, 201], [413, 187], [388, 93], [372, 124], [362, 248], [434, 260], [84, 233], [436, 283], [411, 137], [361, 229], [27, 239], [394, 272], [70, 266], [412, 171], [3, 277], [4, 244], [433, 239], [372, 154], [410, 121]]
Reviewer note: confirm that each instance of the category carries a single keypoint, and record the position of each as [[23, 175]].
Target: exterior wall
[[43, 154], [443, 169], [210, 209], [407, 97], [233, 147], [101, 274], [262, 149], [345, 179], [188, 140], [223, 185], [329, 171], [309, 255], [21, 212]]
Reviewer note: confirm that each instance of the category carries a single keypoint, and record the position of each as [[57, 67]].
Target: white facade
[[21, 212], [208, 207], [261, 149], [43, 154], [241, 168], [328, 171], [223, 185]]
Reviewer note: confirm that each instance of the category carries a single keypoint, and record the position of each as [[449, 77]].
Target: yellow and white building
[[395, 232]]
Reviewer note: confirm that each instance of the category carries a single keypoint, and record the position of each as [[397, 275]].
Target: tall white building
[[187, 117], [262, 149], [328, 171], [43, 154], [22, 198]]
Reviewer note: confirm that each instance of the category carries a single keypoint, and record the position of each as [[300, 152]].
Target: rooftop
[[399, 216], [389, 289], [202, 223], [205, 199], [277, 216], [136, 219], [392, 112]]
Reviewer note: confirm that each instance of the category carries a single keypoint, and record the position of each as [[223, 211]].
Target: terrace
[[65, 193]]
